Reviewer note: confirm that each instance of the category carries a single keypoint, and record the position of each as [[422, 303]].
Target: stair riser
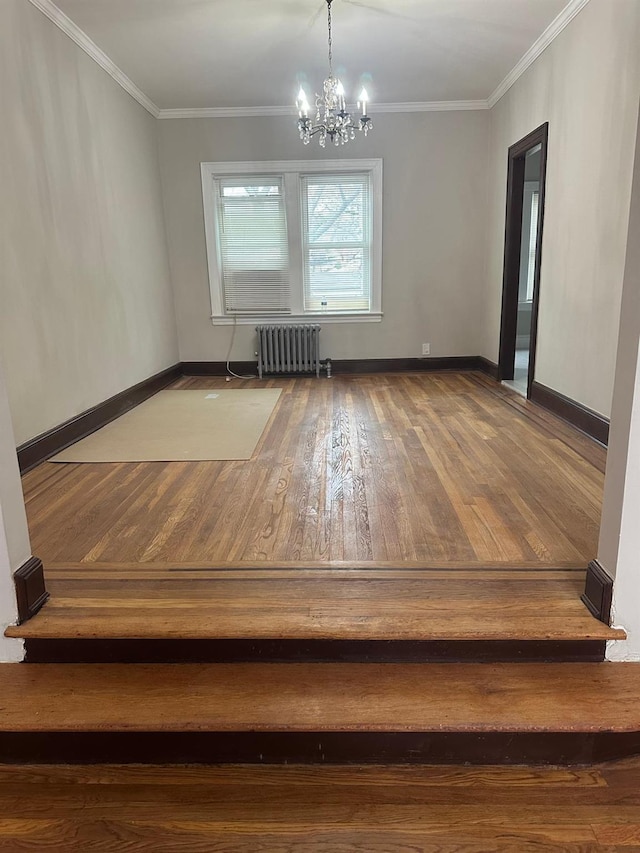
[[508, 748], [313, 651]]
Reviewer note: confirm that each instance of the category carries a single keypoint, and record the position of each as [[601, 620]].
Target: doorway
[[526, 175]]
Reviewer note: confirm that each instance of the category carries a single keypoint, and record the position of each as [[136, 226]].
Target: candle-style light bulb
[[340, 94], [362, 103], [302, 103]]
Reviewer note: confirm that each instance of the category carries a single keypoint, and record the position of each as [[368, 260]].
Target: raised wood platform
[[430, 510], [506, 713], [321, 809]]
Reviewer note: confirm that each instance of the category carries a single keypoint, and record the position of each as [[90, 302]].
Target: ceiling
[[253, 53]]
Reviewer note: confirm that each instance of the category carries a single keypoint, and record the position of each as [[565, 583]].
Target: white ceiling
[[252, 53]]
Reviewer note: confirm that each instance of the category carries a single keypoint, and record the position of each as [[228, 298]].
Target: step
[[326, 713], [152, 614]]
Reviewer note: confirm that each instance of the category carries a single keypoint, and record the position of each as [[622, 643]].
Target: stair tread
[[362, 606], [259, 697]]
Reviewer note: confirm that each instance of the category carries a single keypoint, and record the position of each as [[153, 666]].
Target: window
[[336, 227], [252, 241], [297, 240]]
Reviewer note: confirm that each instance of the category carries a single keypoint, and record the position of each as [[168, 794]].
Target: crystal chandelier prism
[[333, 122]]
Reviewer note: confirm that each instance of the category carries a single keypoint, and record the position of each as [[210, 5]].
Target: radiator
[[288, 349]]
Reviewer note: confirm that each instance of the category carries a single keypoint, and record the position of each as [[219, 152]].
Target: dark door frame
[[512, 246]]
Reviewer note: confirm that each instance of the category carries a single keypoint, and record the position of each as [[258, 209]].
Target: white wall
[[626, 591], [434, 238], [586, 85], [619, 545], [15, 548], [85, 295]]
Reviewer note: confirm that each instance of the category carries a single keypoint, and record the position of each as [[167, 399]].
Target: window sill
[[280, 320]]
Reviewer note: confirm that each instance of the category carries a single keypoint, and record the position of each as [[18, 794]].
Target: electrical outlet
[[426, 349]]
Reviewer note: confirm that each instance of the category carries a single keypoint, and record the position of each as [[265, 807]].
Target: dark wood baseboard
[[403, 365], [488, 367], [307, 747], [312, 651], [591, 423], [31, 592], [358, 365], [218, 368], [35, 451], [598, 592]]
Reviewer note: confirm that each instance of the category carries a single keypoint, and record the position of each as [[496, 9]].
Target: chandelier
[[333, 121]]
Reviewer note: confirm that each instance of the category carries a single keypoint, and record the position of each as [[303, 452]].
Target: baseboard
[[358, 365], [488, 367], [218, 368], [598, 592], [35, 451], [404, 365], [591, 423], [31, 592]]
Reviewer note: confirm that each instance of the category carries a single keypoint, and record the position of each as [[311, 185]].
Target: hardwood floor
[[439, 468], [321, 809], [403, 507]]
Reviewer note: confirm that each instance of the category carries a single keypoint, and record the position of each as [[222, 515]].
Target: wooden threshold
[[316, 605], [326, 712]]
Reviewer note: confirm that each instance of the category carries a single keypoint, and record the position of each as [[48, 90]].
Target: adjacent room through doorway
[[523, 247]]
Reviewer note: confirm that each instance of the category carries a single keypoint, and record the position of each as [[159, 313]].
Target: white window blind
[[533, 240], [253, 245], [337, 244]]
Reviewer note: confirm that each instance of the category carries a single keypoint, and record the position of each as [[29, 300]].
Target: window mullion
[[294, 234]]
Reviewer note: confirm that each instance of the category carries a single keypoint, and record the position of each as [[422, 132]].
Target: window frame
[[291, 172]]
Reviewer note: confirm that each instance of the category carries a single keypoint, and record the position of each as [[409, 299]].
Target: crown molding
[[63, 22], [243, 112], [429, 106], [542, 43], [227, 112]]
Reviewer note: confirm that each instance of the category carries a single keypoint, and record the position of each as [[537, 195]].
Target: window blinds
[[336, 236], [253, 247]]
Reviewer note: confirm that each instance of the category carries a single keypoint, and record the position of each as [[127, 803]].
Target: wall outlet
[[426, 349]]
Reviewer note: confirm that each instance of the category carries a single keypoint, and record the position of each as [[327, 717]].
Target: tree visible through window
[[336, 242]]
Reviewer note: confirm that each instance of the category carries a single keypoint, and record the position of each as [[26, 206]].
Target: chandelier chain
[[330, 39]]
